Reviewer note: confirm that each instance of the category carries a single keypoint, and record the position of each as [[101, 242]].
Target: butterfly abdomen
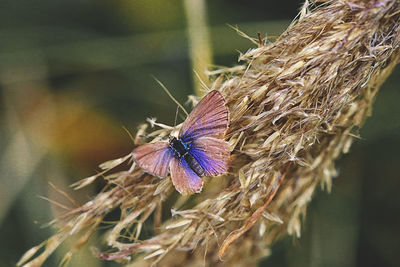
[[194, 164]]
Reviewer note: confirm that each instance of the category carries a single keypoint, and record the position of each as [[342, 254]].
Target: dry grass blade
[[253, 218], [296, 101]]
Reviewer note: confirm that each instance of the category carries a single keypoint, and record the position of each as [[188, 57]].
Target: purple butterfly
[[199, 150]]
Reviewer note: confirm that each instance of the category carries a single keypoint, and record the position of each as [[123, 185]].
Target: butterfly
[[199, 150]]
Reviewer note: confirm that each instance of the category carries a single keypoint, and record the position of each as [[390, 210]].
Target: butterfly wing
[[154, 158], [185, 180], [212, 154], [209, 118]]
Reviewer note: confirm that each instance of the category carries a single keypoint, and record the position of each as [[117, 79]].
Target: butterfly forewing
[[185, 180], [212, 154], [209, 118], [154, 158]]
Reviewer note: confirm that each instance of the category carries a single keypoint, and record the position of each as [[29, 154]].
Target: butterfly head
[[171, 138]]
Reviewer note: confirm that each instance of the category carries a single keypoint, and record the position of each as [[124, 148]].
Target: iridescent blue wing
[[212, 154], [209, 118], [154, 158], [185, 180]]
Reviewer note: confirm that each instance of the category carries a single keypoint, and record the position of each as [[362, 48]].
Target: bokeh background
[[73, 73]]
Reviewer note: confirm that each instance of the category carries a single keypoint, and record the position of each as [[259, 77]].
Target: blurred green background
[[73, 73]]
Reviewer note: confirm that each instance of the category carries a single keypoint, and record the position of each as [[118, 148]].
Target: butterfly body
[[199, 150], [182, 152]]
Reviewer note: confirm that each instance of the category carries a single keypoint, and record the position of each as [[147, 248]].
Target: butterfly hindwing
[[185, 180], [209, 118], [212, 154], [154, 158]]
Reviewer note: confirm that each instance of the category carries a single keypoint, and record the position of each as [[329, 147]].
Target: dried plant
[[296, 104]]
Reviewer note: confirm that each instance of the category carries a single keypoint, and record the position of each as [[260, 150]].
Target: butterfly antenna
[[129, 134], [176, 115], [169, 94], [203, 84]]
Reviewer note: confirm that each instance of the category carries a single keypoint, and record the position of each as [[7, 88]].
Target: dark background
[[72, 73]]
